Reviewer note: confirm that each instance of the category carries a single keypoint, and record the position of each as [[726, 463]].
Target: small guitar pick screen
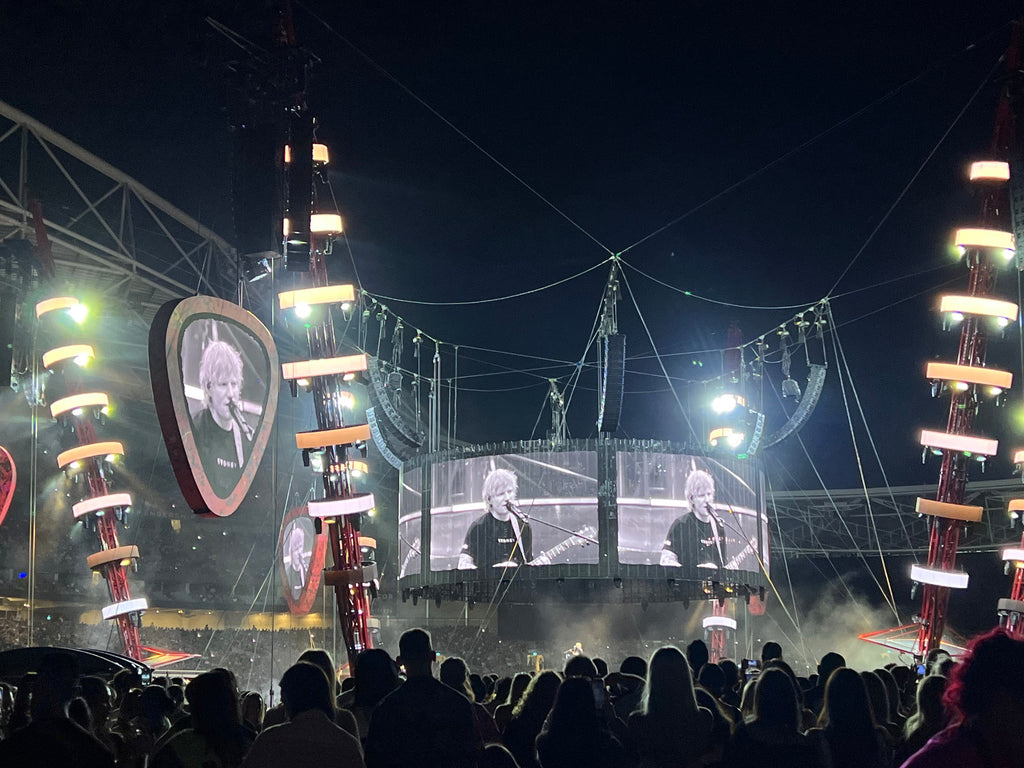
[[506, 511]]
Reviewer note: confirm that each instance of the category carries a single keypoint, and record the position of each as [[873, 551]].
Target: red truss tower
[[101, 510], [986, 245], [326, 375]]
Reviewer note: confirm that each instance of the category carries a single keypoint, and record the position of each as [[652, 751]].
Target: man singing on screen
[[697, 533], [223, 438], [502, 537]]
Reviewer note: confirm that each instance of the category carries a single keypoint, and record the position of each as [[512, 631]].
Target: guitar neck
[[558, 549]]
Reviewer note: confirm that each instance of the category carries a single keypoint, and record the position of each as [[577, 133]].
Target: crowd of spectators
[[675, 709]]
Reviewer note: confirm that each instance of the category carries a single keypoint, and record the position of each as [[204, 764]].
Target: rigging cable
[[661, 363], [518, 295], [799, 148], [906, 188], [841, 356], [846, 527], [409, 92], [860, 472]]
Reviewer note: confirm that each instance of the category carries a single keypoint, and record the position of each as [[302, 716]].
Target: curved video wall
[[623, 509]]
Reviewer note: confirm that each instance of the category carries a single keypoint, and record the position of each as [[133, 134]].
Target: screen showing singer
[[226, 401], [507, 511]]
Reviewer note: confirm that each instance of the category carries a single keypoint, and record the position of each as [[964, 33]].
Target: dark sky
[[624, 116]]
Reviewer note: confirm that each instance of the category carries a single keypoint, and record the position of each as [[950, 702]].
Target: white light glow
[[55, 305], [75, 403], [90, 451], [935, 577], [984, 238], [718, 622], [325, 437], [964, 443], [325, 367], [1013, 554], [80, 353], [325, 224], [970, 374], [114, 610], [326, 294], [976, 305], [990, 170], [726, 402], [110, 501], [356, 505]]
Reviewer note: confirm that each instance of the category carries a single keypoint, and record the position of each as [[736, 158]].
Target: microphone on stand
[[512, 507], [242, 423]]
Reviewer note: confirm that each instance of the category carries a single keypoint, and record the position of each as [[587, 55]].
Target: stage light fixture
[[967, 444], [254, 270], [326, 294], [79, 353], [958, 306], [90, 451], [939, 578], [78, 403], [993, 239], [990, 170], [965, 375], [321, 155], [718, 622], [726, 403]]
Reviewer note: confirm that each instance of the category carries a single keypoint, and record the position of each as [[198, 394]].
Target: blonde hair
[[220, 360]]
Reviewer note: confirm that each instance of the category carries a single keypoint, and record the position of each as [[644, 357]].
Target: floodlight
[[726, 402]]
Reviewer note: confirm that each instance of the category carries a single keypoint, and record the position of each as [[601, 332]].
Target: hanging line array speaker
[[613, 375]]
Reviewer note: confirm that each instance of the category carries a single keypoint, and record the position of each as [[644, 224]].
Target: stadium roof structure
[[855, 521]]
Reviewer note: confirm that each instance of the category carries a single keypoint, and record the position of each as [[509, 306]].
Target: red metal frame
[[944, 536], [353, 599]]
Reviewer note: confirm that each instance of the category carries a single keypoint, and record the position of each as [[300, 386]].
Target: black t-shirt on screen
[[490, 541]]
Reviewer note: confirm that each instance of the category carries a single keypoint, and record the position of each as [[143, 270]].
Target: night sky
[[786, 132]]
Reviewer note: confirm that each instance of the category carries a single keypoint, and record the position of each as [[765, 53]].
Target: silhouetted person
[[930, 718], [815, 698], [669, 729], [847, 727], [423, 722], [455, 674], [986, 699], [52, 738], [774, 737], [216, 733], [697, 655], [309, 739], [374, 677], [575, 734], [528, 717], [770, 650]]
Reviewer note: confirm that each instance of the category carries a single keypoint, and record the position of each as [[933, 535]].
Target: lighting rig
[[326, 375], [967, 381], [91, 460]]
